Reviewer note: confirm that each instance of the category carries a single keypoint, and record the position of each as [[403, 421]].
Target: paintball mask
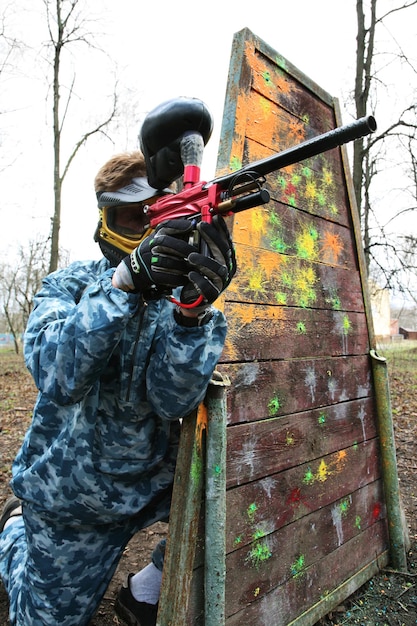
[[123, 222]]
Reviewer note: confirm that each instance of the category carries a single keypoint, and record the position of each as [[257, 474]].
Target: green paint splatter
[[235, 163], [346, 325], [290, 439], [358, 522], [297, 566], [308, 477], [267, 77], [217, 469], [306, 243], [237, 540], [274, 219], [278, 244], [196, 466], [258, 534], [273, 406], [322, 419], [301, 328], [282, 182], [259, 553], [306, 172], [321, 199], [281, 62], [252, 508], [281, 298], [344, 507], [334, 301]]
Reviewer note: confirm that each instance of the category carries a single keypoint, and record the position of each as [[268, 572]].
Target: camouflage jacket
[[114, 376]]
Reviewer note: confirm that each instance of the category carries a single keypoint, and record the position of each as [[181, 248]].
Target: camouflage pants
[[57, 574]]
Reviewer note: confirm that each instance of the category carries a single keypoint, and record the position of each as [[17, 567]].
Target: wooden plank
[[285, 90], [291, 333], [184, 521], [272, 388], [265, 277], [275, 501], [284, 230], [269, 446], [271, 559], [284, 603]]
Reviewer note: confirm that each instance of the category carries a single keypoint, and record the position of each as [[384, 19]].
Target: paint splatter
[[290, 439], [259, 553], [332, 247], [267, 77], [235, 163], [358, 521], [322, 419], [301, 328], [274, 406], [295, 496], [252, 508], [268, 484], [325, 470], [309, 477], [310, 381], [376, 511], [346, 325], [298, 566], [344, 507], [306, 243], [256, 592], [237, 540]]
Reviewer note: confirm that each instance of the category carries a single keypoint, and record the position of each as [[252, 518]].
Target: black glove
[[159, 263], [210, 273]]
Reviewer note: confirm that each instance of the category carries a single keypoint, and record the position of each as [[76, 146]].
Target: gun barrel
[[312, 147]]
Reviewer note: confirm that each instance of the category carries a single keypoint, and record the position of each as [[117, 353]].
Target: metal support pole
[[389, 462], [215, 503]]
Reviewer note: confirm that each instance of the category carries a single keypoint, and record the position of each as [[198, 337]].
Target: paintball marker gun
[[172, 139]]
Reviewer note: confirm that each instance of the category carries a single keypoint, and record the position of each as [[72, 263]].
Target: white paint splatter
[[310, 380]]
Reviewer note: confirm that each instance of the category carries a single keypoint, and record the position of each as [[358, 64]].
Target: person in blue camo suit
[[117, 365]]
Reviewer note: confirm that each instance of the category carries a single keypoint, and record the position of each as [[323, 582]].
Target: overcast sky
[[156, 52]]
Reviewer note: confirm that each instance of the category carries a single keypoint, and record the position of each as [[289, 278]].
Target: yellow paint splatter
[[311, 190], [323, 472], [306, 243]]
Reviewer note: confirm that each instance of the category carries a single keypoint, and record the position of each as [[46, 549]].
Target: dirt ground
[[389, 599]]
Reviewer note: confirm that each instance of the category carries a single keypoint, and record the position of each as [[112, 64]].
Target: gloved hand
[[159, 263], [210, 273]]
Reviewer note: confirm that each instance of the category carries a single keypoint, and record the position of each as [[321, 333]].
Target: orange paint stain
[[250, 226], [201, 425], [331, 247]]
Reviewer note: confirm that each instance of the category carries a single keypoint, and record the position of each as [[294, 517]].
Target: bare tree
[[67, 28], [372, 154], [19, 283]]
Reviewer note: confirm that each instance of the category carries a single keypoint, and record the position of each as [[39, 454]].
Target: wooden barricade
[[306, 514]]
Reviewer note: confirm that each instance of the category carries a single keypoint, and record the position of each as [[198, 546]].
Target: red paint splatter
[[376, 511], [295, 496]]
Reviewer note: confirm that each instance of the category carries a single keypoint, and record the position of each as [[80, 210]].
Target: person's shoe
[[133, 612], [12, 507]]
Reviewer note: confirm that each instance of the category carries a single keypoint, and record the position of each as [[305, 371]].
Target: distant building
[[408, 333]]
